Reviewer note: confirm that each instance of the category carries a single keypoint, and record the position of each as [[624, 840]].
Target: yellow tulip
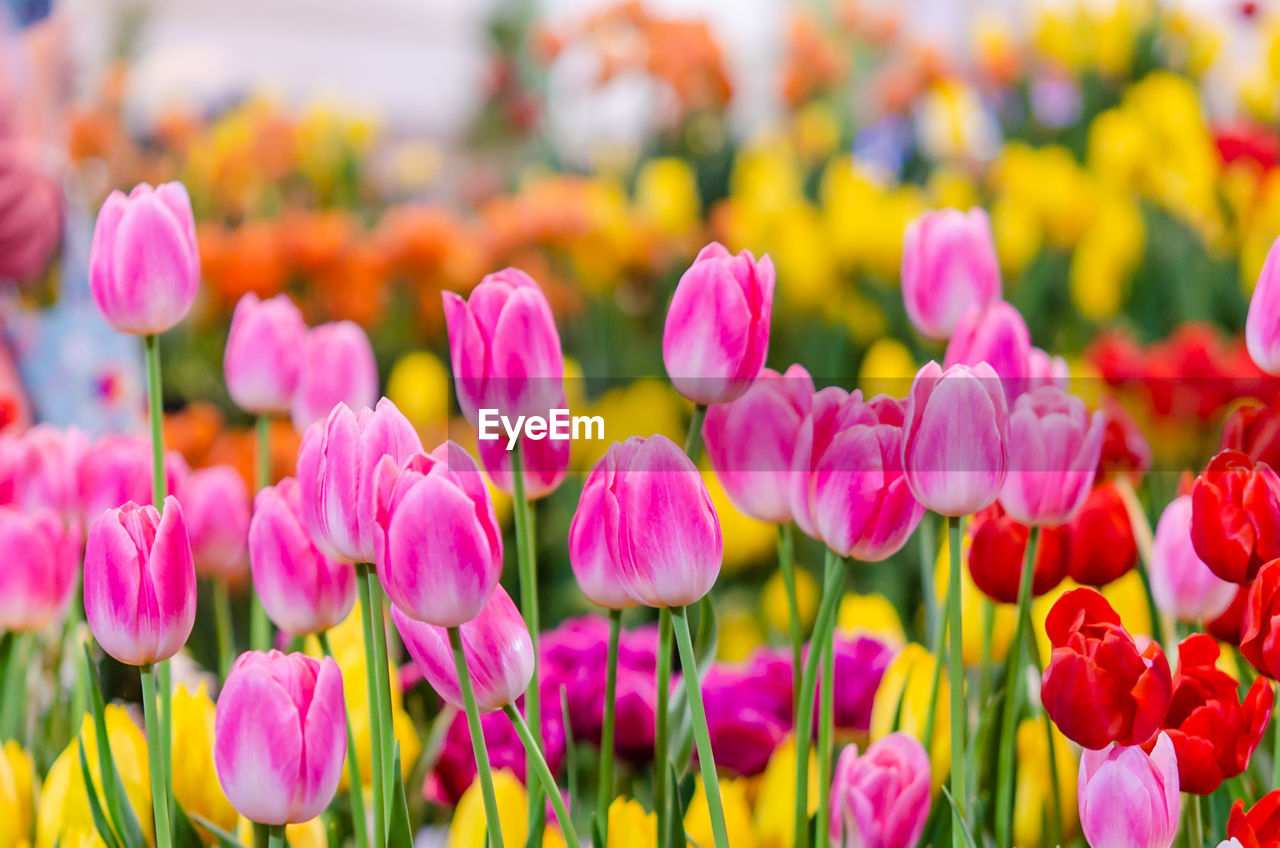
[[903, 695], [666, 194], [816, 130], [467, 829], [19, 789], [1017, 232], [310, 834], [776, 797], [887, 368], [1033, 792], [419, 386], [874, 615], [797, 242], [630, 826], [737, 815], [777, 610], [952, 187], [195, 782]]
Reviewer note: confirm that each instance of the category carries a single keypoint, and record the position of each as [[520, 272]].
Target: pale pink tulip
[[1129, 799], [1262, 327], [263, 360], [880, 799], [337, 367], [998, 336], [949, 264], [1183, 586], [215, 502]]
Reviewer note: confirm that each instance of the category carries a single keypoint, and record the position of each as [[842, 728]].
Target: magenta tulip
[[336, 466], [280, 736], [337, 366], [144, 266], [140, 582], [948, 265], [302, 590], [215, 502], [39, 577], [263, 360], [438, 541], [115, 470], [42, 467], [998, 336], [1128, 798], [1054, 448], [1183, 586], [955, 449], [880, 799], [717, 331], [1262, 327], [847, 487], [496, 644], [645, 508], [750, 442]]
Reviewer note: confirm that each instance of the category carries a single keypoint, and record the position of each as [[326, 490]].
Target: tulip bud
[[118, 469], [716, 336], [1257, 828], [140, 582], [748, 710], [998, 336], [1254, 430], [1262, 327], [302, 590], [216, 506], [144, 266], [337, 366], [496, 644], [954, 448], [42, 564], [880, 799], [1128, 798], [263, 359], [948, 264], [1235, 516], [1183, 586], [280, 736]]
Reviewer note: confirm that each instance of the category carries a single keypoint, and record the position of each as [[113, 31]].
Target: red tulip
[[1102, 547], [1235, 516], [1260, 826], [1260, 625], [999, 546], [1254, 429], [1226, 627]]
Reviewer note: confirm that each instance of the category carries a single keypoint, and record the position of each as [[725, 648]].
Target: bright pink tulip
[[645, 508], [40, 575], [750, 442], [1129, 799], [115, 470], [497, 647], [302, 590], [144, 266], [215, 502], [336, 466], [1262, 327], [955, 448], [140, 582], [880, 799], [337, 367], [280, 736], [998, 336], [546, 461], [438, 540], [847, 487], [1054, 449], [717, 331], [948, 265], [1183, 586], [43, 468], [263, 360]]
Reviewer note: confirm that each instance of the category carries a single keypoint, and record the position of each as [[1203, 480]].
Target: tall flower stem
[[826, 716], [604, 791], [375, 710], [931, 720], [1195, 827], [706, 758], [261, 835], [928, 557], [787, 565], [955, 671], [1013, 693], [159, 790], [693, 438], [527, 568], [545, 777], [355, 788], [223, 627], [660, 725], [478, 747], [275, 836], [15, 671], [259, 624]]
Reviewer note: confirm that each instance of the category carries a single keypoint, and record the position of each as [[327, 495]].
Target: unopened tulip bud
[[948, 265], [337, 367], [263, 360]]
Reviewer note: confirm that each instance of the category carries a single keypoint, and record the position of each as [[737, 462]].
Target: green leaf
[[121, 812], [681, 721], [964, 826], [185, 834], [675, 821], [576, 801], [95, 804], [399, 831], [227, 840]]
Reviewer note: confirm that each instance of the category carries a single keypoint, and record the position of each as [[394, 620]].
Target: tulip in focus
[[42, 563], [144, 266], [998, 336], [1181, 583], [280, 736], [263, 359], [140, 582], [948, 265], [337, 367], [215, 503], [1262, 327], [880, 799], [1254, 429], [1128, 798], [1235, 516]]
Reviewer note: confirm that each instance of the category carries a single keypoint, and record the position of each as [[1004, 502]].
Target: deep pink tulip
[[337, 367], [43, 561], [1183, 586], [336, 465], [1262, 327], [115, 470], [750, 442], [302, 590], [998, 336], [1054, 448], [955, 448], [948, 265], [263, 359], [497, 647], [438, 540], [645, 508], [847, 487], [1129, 799], [717, 331], [144, 266], [215, 502], [546, 461], [280, 736], [860, 662], [880, 799], [140, 582], [41, 468]]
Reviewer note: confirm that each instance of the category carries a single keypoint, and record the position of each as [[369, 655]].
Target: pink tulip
[[438, 541], [337, 367], [41, 468], [1183, 586], [948, 265], [115, 470], [302, 590], [144, 266], [880, 799], [645, 508], [336, 466], [750, 442], [717, 331], [1054, 449], [1262, 327], [955, 449], [216, 505], [263, 360], [496, 644], [280, 736], [1046, 370], [1129, 799], [43, 562], [847, 487], [998, 336], [546, 461], [140, 582]]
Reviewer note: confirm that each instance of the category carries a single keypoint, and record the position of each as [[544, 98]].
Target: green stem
[[706, 758], [693, 438], [259, 625], [528, 570], [275, 836], [155, 397], [375, 714], [1013, 692], [1195, 829], [786, 564], [660, 725], [355, 787], [931, 720], [545, 777], [984, 673], [261, 835], [956, 675], [164, 679], [604, 791], [223, 627], [928, 560], [478, 746], [159, 791], [14, 673], [822, 628], [826, 718], [385, 724]]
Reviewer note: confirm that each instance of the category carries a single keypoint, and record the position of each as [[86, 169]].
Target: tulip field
[[900, 468]]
